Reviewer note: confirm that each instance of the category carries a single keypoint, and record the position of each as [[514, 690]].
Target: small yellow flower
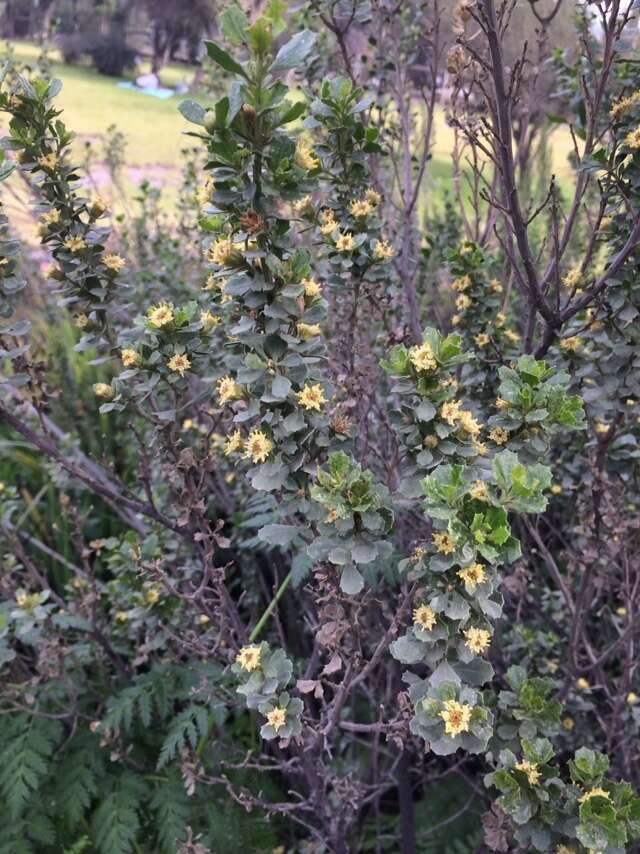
[[224, 252], [258, 446], [463, 302], [104, 390], [595, 792], [312, 397], [360, 209], [424, 617], [328, 227], [632, 139], [625, 106], [495, 286], [565, 849], [479, 491], [81, 321], [621, 612], [382, 251], [461, 284], [511, 336], [98, 207], [632, 698], [605, 223], [304, 156], [152, 596], [180, 363], [121, 616], [52, 271], [228, 389], [472, 575], [573, 278], [233, 444], [249, 658], [130, 358], [556, 489], [75, 244], [48, 161], [480, 448], [499, 435], [345, 243], [469, 424], [456, 717], [311, 288], [582, 684], [477, 640], [209, 320], [601, 427], [204, 194], [430, 441], [531, 770], [52, 217], [203, 619], [114, 262], [501, 404], [373, 197], [417, 554], [326, 215], [568, 724], [277, 718], [571, 345], [444, 542], [308, 330], [482, 339], [422, 357], [501, 318], [303, 206], [450, 412], [161, 316]]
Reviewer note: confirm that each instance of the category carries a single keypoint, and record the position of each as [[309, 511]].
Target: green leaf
[[294, 51], [234, 25], [278, 535], [351, 581], [193, 112], [224, 60]]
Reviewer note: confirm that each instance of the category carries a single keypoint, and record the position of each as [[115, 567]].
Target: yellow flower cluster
[[204, 194], [632, 139], [311, 288], [499, 435], [75, 244], [456, 717], [48, 161], [104, 391], [130, 358], [233, 444], [258, 446], [573, 278], [477, 640], [249, 658], [382, 251], [52, 217], [228, 389], [463, 302], [304, 156], [461, 284], [312, 397], [571, 344], [277, 718], [209, 320], [595, 792], [361, 208], [180, 363], [161, 315], [422, 357], [472, 575], [625, 106], [424, 617], [114, 262], [224, 252], [482, 339], [444, 542], [479, 491], [530, 769], [308, 330], [303, 206], [345, 243]]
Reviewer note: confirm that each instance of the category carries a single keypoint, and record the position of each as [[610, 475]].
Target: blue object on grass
[[154, 91]]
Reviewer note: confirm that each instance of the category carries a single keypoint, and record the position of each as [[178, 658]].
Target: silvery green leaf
[[351, 581]]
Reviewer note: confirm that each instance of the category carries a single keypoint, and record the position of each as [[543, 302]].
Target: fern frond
[[116, 821], [25, 761], [172, 810], [185, 731]]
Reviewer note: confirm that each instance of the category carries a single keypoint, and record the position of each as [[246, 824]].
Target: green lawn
[[154, 128]]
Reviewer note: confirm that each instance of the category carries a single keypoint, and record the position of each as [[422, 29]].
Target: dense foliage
[[318, 513]]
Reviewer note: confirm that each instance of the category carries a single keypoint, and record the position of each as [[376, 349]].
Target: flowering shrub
[[308, 484]]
